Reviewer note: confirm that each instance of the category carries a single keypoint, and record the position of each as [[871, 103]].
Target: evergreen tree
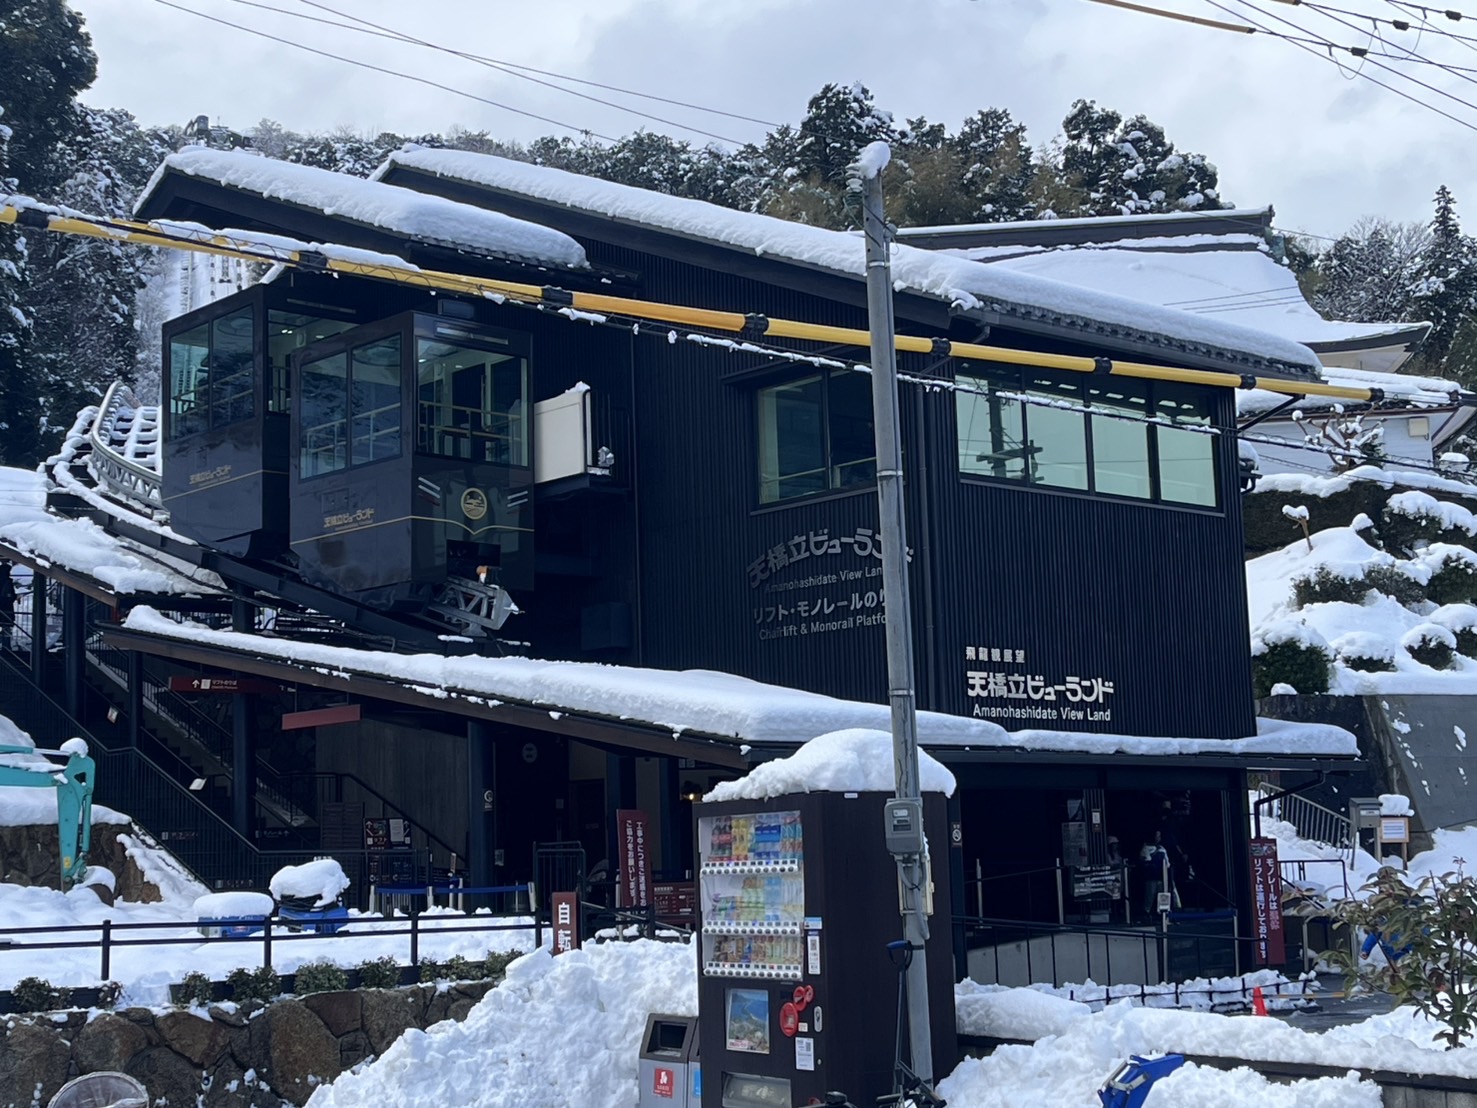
[[838, 123], [1447, 286], [995, 157], [1373, 273], [1091, 163], [46, 58]]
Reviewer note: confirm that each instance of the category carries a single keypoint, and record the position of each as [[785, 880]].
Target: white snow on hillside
[[969, 284]]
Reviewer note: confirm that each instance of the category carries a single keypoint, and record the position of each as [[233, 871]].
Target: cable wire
[[388, 72]]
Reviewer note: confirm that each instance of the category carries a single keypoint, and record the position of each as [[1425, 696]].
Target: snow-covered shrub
[[1289, 652], [36, 994], [1396, 581], [1430, 644], [495, 966], [1412, 518], [1364, 651], [194, 990], [261, 983], [431, 970], [1453, 574], [382, 973], [319, 977], [1461, 621], [1327, 586], [1453, 463]]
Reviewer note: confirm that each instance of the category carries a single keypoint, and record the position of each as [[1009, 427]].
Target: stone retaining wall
[[32, 856], [251, 1056]]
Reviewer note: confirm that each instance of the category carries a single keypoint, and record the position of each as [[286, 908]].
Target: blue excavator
[[32, 767]]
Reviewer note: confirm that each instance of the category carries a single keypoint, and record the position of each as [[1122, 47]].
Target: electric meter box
[[798, 900]]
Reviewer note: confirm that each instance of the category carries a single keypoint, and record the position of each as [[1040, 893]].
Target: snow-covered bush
[[1461, 621], [1413, 518], [194, 990], [1289, 652], [1453, 574], [1396, 581], [261, 983], [382, 973], [36, 994], [1328, 586], [1430, 644], [1365, 651], [319, 977]]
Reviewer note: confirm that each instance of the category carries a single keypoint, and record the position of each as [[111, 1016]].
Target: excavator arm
[[73, 782]]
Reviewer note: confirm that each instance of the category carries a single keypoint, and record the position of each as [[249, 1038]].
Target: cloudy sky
[[1325, 145]]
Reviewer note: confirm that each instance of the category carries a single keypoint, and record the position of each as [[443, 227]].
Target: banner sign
[[633, 890], [1266, 904], [566, 922]]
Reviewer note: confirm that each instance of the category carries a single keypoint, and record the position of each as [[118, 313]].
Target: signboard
[[676, 901], [662, 1082], [320, 717], [220, 685], [1266, 904], [1395, 829], [633, 889], [566, 922], [1097, 881]]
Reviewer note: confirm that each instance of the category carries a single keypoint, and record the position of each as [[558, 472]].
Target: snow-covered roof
[[1093, 228], [1401, 390], [1229, 277], [704, 704], [1027, 299], [428, 219]]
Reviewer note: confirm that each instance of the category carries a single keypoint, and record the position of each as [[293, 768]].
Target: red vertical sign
[[566, 922], [1266, 903], [633, 890]]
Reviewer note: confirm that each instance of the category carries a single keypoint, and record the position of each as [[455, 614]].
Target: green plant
[[497, 961], [36, 994], [382, 973], [1323, 586], [1404, 530], [1393, 581], [1428, 926], [430, 970], [320, 977], [1302, 665], [1454, 579], [258, 984], [194, 990], [1431, 645], [458, 968]]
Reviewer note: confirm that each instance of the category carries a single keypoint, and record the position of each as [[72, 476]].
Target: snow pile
[[968, 284], [557, 1031], [234, 905], [976, 1003], [321, 880], [35, 805], [416, 215], [1311, 484], [1192, 1084], [856, 760]]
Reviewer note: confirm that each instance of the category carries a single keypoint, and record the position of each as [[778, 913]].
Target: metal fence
[[1312, 820]]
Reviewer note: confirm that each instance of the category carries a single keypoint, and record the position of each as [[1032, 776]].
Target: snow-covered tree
[[1446, 291], [1372, 273]]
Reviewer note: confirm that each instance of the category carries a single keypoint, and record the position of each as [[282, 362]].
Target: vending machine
[[798, 900]]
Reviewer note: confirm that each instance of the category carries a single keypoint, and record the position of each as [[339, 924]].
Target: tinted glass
[[323, 439], [853, 445], [1186, 458], [992, 430], [1056, 438], [232, 381], [792, 460], [472, 403], [286, 332], [189, 385], [1120, 447], [374, 402]]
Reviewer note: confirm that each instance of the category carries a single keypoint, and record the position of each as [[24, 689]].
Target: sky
[[1323, 144]]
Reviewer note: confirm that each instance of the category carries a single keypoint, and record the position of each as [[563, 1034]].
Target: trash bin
[[670, 1071], [1129, 1086], [104, 1089]]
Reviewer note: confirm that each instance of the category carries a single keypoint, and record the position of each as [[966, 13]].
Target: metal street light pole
[[904, 814]]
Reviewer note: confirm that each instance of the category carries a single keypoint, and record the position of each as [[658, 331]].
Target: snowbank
[[322, 879], [842, 761]]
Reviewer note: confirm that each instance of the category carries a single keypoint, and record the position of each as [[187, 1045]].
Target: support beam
[[481, 806], [243, 742], [74, 649], [620, 792], [135, 697], [38, 630]]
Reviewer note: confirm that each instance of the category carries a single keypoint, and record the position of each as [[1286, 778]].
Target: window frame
[[208, 396], [1014, 378], [829, 466]]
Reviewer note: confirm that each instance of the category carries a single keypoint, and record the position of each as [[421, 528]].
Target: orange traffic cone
[[1258, 1002]]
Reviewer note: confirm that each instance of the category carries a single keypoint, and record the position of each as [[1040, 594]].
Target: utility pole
[[904, 813]]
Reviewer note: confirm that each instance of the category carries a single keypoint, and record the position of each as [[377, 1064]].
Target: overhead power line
[[387, 71]]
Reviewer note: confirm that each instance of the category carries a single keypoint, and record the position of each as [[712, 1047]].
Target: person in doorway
[[1154, 863]]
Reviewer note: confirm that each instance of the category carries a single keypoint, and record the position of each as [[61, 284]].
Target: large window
[[815, 435], [472, 399], [350, 412], [289, 331], [212, 382], [324, 437], [1111, 436]]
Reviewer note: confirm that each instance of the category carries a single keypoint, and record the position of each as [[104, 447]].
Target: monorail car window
[[189, 386], [210, 374], [374, 402], [471, 402], [289, 331], [323, 443]]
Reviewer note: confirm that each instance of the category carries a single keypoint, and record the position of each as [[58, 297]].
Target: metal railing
[[1312, 820]]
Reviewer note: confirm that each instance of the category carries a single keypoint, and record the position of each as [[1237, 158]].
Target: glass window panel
[[1120, 447], [1056, 437], [472, 403], [791, 441], [992, 430], [1186, 458], [232, 377], [853, 444], [374, 402], [323, 440], [189, 353], [286, 332]]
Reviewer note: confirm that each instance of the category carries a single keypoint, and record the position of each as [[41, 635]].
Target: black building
[[1075, 539]]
